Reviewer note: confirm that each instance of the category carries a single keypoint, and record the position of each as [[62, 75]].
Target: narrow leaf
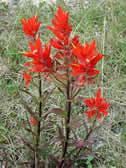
[[48, 94], [76, 124], [53, 158], [61, 135], [43, 146], [29, 109], [57, 111], [26, 142], [34, 98], [80, 144], [24, 163], [61, 132], [29, 130]]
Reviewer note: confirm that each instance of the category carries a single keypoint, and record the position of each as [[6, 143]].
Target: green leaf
[[3, 132], [2, 139], [89, 166], [90, 158], [3, 129], [76, 164], [123, 134]]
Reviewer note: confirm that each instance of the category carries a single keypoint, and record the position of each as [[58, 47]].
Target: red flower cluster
[[71, 58], [70, 54], [41, 60], [97, 106], [88, 57], [61, 28], [31, 26]]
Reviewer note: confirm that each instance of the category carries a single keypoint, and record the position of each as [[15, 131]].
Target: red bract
[[31, 26], [61, 27], [97, 106], [27, 77], [41, 60], [64, 52], [62, 43], [57, 44], [33, 121], [88, 57], [75, 41]]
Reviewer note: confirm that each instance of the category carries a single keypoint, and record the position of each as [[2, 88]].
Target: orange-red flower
[[41, 60], [56, 43], [88, 57], [31, 26], [33, 121], [27, 77], [97, 106], [61, 27], [75, 41]]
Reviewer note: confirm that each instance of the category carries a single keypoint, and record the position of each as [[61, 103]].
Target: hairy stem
[[39, 122], [40, 110], [67, 128], [68, 107]]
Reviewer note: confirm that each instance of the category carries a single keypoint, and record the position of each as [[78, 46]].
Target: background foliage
[[104, 21]]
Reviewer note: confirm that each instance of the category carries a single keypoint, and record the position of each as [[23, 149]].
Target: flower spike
[[41, 60], [97, 106], [61, 27], [88, 57], [31, 26]]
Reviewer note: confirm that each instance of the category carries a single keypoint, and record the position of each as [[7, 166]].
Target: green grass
[[105, 22]]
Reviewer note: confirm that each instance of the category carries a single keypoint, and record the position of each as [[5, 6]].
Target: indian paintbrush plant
[[70, 68]]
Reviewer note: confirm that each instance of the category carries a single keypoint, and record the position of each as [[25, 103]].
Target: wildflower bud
[[33, 121]]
